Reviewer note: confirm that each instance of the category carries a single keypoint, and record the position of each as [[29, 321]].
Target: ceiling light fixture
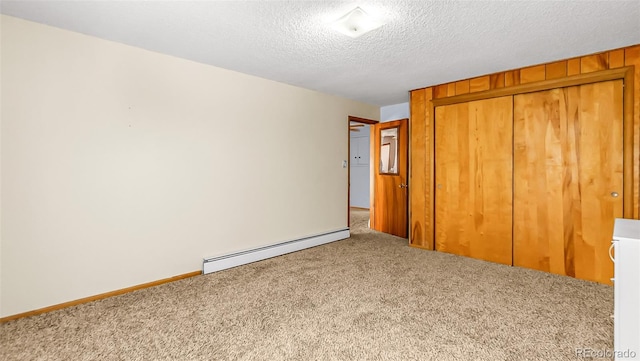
[[357, 22]]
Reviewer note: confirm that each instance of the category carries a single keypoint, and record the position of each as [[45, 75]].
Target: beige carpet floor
[[369, 297]]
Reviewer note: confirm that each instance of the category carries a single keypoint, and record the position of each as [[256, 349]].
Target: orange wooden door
[[473, 173], [568, 172], [390, 169]]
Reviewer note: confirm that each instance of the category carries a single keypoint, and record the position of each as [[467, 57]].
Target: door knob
[[402, 185], [614, 194]]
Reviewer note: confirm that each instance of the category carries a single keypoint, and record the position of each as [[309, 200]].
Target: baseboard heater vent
[[220, 263]]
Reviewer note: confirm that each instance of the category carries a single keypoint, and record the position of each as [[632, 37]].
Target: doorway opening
[[359, 167]]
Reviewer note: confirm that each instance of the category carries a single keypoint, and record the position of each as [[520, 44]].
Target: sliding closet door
[[568, 178], [473, 172]]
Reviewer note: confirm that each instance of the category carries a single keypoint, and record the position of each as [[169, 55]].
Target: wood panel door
[[473, 173], [391, 168], [568, 172]]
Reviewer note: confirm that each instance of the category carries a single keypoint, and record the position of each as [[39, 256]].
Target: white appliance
[[626, 281]]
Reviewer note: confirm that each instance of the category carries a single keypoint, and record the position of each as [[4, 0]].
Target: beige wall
[[111, 167]]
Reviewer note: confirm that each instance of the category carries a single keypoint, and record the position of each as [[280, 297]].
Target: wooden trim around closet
[[629, 204], [99, 296], [625, 73]]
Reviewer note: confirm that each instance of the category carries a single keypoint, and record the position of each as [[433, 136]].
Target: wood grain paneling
[[573, 66], [462, 87], [473, 157], [616, 58], [509, 82], [497, 81], [512, 78], [595, 62], [479, 84], [567, 162], [532, 73], [419, 177], [556, 70], [440, 91], [632, 58], [451, 89]]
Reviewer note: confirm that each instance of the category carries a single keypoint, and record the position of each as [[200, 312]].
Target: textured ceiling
[[423, 43]]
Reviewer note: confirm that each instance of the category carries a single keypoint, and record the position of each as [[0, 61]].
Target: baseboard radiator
[[220, 263]]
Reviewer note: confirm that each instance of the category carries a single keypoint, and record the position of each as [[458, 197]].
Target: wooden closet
[[474, 179], [530, 175], [568, 163]]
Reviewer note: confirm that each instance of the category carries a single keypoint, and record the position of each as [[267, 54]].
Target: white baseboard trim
[[220, 263]]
